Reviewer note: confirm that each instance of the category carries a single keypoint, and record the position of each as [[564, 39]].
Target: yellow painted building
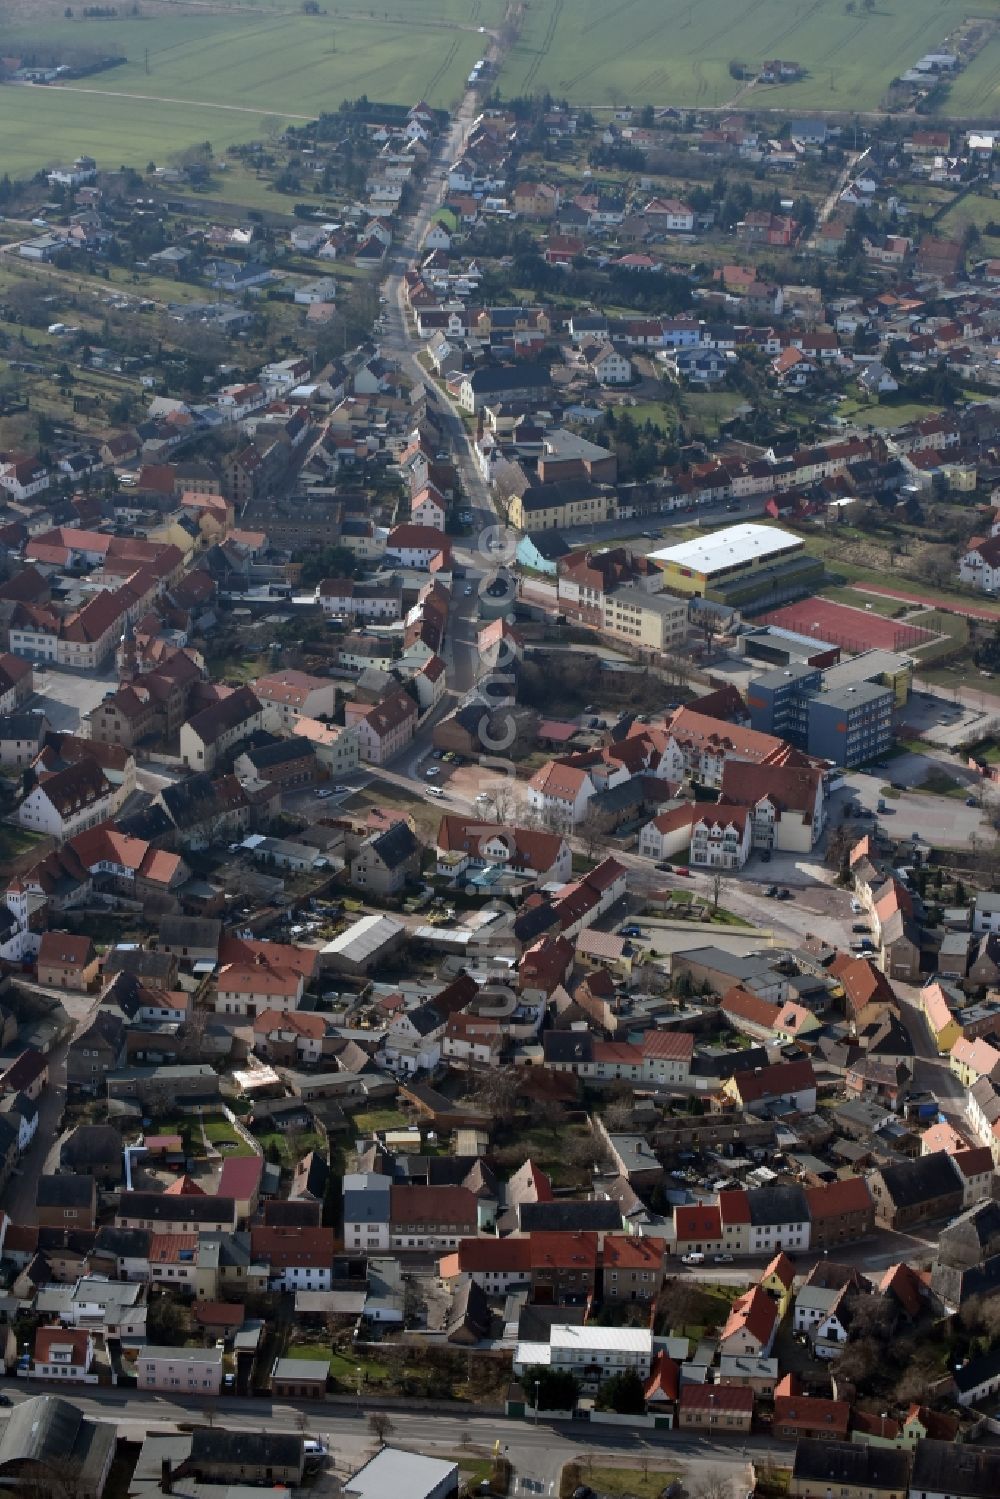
[[734, 552], [551, 507]]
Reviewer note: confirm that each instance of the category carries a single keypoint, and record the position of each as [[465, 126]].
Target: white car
[[432, 771], [434, 791]]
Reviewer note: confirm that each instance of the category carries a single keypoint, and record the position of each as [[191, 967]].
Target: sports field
[[851, 629], [602, 52], [195, 73]]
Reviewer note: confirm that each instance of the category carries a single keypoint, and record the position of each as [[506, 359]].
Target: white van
[[694, 1258]]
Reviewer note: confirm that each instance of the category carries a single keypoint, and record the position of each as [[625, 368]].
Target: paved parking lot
[[944, 820], [66, 698]]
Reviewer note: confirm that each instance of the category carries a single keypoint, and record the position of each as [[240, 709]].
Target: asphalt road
[[536, 1452]]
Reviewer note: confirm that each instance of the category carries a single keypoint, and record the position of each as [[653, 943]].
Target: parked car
[[970, 801], [694, 1258], [860, 926], [682, 869], [784, 894], [431, 771], [771, 892], [435, 791], [665, 864], [630, 931], [723, 1259]]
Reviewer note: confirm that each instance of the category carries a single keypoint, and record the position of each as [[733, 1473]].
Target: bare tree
[[381, 1427], [718, 885], [593, 834], [618, 1116], [714, 1483], [496, 1092], [502, 803]]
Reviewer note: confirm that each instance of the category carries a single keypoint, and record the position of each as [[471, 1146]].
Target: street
[[537, 1452]]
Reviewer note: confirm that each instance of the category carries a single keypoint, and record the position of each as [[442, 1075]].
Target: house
[[840, 1212], [792, 1082], [589, 1352], [607, 364], [751, 1326], [297, 1259], [631, 1269], [951, 1470], [387, 861], [384, 729], [66, 1201], [979, 567], [978, 1379], [467, 844], [724, 1409], [63, 1353], [66, 961], [67, 802], [179, 1371], [293, 695], [808, 1416], [851, 1470], [916, 1191], [215, 730], [559, 794], [720, 837]]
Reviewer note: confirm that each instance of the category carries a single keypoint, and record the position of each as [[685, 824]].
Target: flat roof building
[[392, 1474], [691, 565]]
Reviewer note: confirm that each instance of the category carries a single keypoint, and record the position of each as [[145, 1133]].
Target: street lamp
[[536, 1401], [357, 1375]]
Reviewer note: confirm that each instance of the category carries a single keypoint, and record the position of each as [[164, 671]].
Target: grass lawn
[[370, 1120], [855, 599], [673, 52], [221, 1134], [705, 410], [940, 783], [662, 415], [885, 413], [548, 1149], [617, 1483], [346, 1368], [274, 1141], [15, 840], [227, 74]]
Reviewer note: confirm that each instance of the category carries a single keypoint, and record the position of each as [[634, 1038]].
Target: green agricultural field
[[679, 51], [977, 90], [229, 74]]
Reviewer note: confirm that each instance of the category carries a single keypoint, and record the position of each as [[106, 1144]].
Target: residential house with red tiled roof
[[723, 1409], [385, 728], [298, 1259], [208, 735], [631, 1268], [698, 1229], [787, 803], [751, 1326], [797, 1415], [559, 793], [794, 1082], [465, 843], [67, 802], [62, 1353]]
